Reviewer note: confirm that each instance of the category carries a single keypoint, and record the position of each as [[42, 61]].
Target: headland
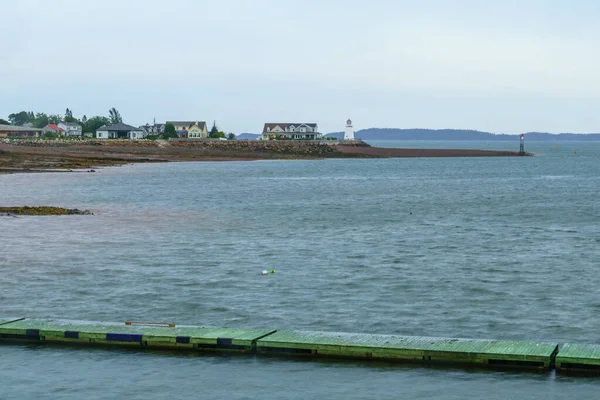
[[63, 155]]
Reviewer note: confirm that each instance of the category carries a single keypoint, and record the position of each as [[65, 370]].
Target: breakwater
[[200, 146], [422, 350], [40, 155], [186, 149]]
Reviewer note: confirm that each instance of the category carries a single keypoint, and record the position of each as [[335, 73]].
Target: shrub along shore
[[50, 155]]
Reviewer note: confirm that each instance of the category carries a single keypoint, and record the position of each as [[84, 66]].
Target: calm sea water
[[504, 248]]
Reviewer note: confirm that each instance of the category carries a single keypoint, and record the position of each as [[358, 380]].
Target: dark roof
[[73, 124], [286, 124], [201, 124], [118, 127], [12, 128]]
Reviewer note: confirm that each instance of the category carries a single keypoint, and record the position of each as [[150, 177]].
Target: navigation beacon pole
[[522, 147]]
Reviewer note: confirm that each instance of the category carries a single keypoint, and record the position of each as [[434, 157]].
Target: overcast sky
[[495, 65]]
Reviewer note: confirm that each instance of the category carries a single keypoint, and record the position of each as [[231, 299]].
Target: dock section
[[427, 350], [144, 335], [416, 349], [579, 358]]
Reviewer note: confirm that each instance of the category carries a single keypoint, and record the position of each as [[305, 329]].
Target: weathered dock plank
[[578, 357], [411, 349], [115, 334]]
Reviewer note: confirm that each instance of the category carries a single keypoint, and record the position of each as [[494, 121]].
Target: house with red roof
[[53, 128]]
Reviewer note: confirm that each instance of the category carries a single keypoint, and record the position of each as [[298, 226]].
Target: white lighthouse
[[349, 133]]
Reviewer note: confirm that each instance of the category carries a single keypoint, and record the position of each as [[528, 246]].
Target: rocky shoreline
[[77, 154], [42, 210]]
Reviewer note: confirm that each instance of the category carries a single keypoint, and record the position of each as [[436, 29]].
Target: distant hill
[[458, 134], [246, 136]]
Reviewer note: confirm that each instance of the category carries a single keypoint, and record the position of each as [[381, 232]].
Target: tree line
[[40, 120], [91, 125]]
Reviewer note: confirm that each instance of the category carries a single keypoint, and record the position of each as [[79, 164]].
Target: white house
[[120, 131], [70, 128], [289, 130]]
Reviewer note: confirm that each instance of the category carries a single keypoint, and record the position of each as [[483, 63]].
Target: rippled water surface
[[503, 248]]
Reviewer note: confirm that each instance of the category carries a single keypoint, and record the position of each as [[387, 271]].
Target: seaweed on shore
[[43, 210]]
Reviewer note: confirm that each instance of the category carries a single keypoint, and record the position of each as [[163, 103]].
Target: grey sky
[[494, 65]]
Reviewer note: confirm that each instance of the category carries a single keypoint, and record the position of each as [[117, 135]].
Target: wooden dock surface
[[413, 349], [427, 350]]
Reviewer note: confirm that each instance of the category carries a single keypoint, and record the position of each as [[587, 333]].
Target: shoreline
[[67, 156]]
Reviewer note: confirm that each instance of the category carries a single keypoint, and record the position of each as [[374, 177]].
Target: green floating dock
[[424, 350], [411, 349], [136, 335], [579, 357]]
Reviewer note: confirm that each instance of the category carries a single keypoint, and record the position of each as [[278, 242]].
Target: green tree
[[231, 136], [169, 131], [50, 135], [41, 120], [214, 131], [21, 118], [4, 122], [68, 114], [114, 116], [93, 123], [84, 119], [54, 119], [69, 118]]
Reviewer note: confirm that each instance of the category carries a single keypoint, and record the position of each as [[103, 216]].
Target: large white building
[[290, 130]]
